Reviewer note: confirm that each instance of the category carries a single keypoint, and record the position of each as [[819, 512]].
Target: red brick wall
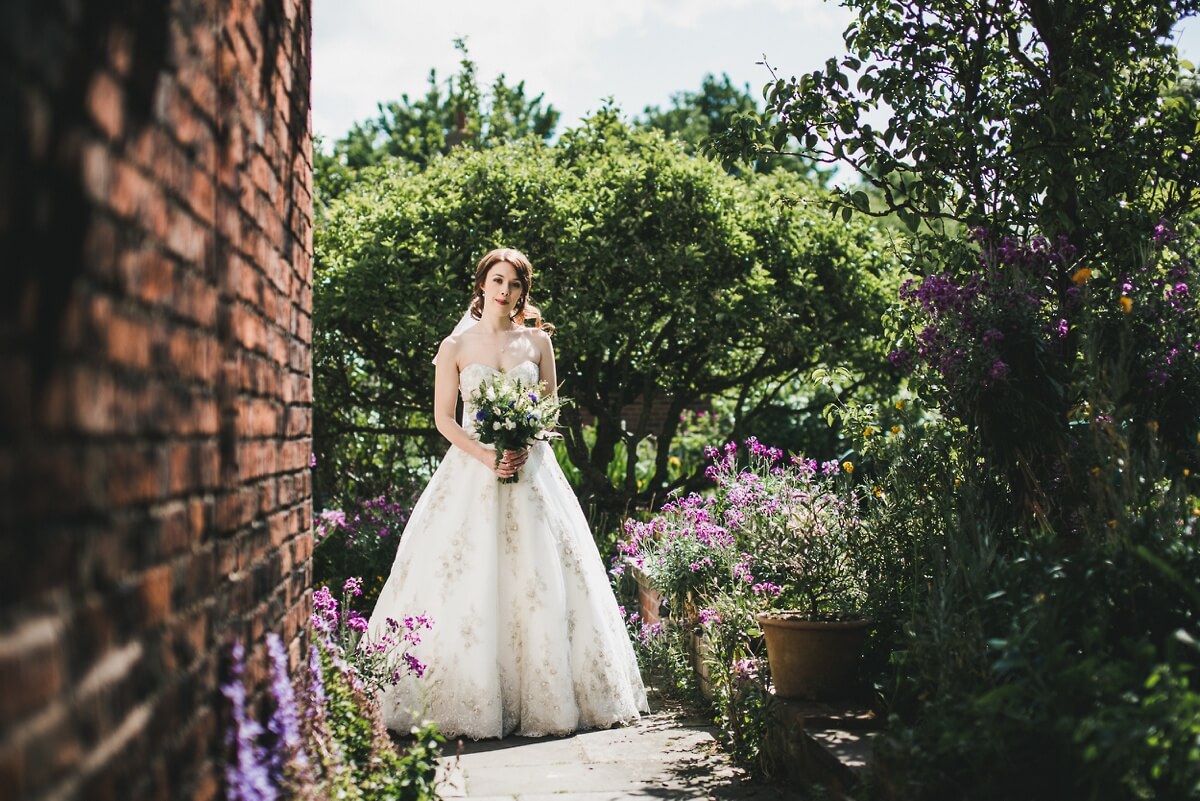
[[155, 381]]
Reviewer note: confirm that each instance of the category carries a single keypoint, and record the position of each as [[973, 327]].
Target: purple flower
[[999, 370], [744, 670], [248, 778], [356, 622], [991, 337], [329, 521], [767, 588], [650, 631], [1162, 232], [1061, 329], [830, 468], [415, 666], [708, 617], [285, 716], [312, 460], [325, 611], [353, 586], [900, 358], [316, 681]]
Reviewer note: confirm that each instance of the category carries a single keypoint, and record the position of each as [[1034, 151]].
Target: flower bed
[[327, 740], [774, 534]]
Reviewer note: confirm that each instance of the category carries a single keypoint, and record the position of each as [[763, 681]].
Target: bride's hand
[[512, 462]]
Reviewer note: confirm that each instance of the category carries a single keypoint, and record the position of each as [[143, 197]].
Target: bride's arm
[[445, 396], [547, 367]]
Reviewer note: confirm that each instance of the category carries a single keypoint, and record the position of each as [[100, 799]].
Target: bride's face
[[501, 288]]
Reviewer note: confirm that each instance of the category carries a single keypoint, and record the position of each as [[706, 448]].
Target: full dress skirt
[[527, 637]]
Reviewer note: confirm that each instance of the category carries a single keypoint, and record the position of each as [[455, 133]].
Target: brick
[[125, 188], [187, 238], [52, 750], [295, 455], [194, 466], [194, 355], [96, 161], [298, 421], [80, 398], [200, 297], [136, 474], [31, 667], [129, 340], [105, 102], [154, 596], [202, 198], [148, 276]]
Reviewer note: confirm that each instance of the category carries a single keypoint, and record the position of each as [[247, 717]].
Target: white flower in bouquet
[[512, 415]]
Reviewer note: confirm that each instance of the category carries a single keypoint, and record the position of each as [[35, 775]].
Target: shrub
[[328, 740], [361, 540]]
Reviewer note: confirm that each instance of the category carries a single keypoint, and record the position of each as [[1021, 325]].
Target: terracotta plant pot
[[813, 659], [649, 599]]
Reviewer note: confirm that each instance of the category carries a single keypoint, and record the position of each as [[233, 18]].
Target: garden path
[[668, 754]]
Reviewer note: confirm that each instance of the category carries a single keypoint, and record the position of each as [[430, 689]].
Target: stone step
[[825, 743], [815, 715], [851, 748]]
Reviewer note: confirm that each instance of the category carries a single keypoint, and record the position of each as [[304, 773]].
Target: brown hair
[[525, 310]]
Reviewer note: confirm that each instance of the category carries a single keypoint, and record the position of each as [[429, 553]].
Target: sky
[[638, 52]]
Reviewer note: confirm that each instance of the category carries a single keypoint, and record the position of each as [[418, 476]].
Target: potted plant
[[797, 527], [681, 553], [777, 541]]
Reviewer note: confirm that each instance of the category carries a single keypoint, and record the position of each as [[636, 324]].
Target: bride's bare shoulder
[[535, 335], [449, 347]]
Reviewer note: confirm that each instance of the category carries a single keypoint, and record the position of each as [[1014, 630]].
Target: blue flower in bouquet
[[512, 415]]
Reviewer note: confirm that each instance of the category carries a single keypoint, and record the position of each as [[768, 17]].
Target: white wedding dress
[[527, 637]]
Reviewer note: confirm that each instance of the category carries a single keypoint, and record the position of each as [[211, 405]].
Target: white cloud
[[638, 51]]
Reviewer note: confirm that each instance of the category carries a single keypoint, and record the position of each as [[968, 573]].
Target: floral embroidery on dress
[[527, 636]]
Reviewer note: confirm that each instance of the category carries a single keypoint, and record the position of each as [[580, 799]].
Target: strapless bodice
[[474, 374]]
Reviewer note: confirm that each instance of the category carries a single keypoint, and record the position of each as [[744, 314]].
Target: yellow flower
[[895, 429], [1112, 524], [674, 461], [848, 466], [877, 491], [1081, 276], [1186, 472], [899, 405], [1126, 304], [1095, 471], [868, 431]]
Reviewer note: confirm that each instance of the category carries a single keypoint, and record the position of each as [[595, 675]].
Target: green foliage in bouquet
[[512, 415]]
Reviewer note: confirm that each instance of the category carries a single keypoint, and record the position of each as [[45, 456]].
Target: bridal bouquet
[[511, 415]]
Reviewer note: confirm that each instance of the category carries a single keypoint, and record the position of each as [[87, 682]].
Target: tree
[[1024, 119], [1042, 154], [667, 277], [452, 113], [1023, 116], [696, 117]]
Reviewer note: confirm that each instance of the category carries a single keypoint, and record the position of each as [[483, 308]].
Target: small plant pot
[[813, 659], [650, 600]]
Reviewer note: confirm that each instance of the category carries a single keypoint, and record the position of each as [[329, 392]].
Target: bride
[[527, 636]]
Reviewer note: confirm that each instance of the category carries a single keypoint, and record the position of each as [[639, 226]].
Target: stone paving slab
[[666, 755]]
